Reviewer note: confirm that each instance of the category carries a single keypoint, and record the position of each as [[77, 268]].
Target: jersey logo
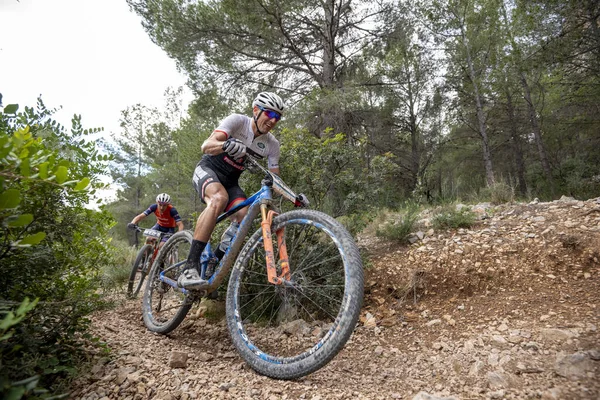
[[261, 145]]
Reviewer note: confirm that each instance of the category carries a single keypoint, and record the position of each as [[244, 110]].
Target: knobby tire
[[289, 332], [139, 271], [163, 307]]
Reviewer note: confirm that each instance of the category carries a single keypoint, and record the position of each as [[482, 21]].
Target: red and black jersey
[[167, 219]]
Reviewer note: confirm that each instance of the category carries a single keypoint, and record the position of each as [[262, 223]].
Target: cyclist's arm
[[273, 157], [177, 218], [138, 218], [143, 215], [214, 144]]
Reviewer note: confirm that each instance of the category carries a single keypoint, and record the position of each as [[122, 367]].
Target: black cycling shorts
[[204, 176]]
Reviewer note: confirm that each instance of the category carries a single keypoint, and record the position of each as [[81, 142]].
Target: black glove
[[234, 148], [131, 226], [301, 200]]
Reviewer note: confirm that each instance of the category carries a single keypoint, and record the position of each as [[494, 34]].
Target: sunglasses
[[271, 114], [160, 203]]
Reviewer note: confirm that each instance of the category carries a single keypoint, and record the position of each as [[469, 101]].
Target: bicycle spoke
[[166, 306], [315, 295], [313, 265]]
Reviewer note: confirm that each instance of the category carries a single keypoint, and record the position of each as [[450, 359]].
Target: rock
[[178, 359], [412, 238], [500, 380], [514, 339], [476, 368], [499, 341], [205, 357], [564, 199], [556, 335], [532, 346], [552, 394], [200, 312], [370, 321], [122, 374], [298, 327], [226, 386], [573, 366], [427, 396]]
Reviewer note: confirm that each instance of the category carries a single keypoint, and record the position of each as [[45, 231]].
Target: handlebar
[[134, 227], [251, 163], [143, 230]]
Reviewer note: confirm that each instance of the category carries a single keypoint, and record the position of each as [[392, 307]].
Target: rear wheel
[[289, 331], [164, 307], [141, 267]]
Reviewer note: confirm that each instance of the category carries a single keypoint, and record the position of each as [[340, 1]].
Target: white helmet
[[163, 198], [270, 101]]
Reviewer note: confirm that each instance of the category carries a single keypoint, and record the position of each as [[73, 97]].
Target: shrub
[[499, 193], [355, 223], [51, 246], [400, 228], [449, 218], [114, 276]]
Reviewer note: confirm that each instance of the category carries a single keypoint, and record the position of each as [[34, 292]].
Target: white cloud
[[92, 57]]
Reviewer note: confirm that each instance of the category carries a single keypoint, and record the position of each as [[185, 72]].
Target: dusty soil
[[508, 309]]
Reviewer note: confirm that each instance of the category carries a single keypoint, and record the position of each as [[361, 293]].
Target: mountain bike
[[144, 259], [295, 291]]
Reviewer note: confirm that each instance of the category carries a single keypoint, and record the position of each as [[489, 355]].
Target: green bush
[[51, 246], [114, 276], [498, 193], [450, 218], [400, 228], [355, 223]]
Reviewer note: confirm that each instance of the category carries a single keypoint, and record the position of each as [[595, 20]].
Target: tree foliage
[[51, 245], [432, 100]]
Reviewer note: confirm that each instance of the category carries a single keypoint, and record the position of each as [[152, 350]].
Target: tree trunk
[[487, 158], [517, 144], [327, 77], [415, 141], [537, 133]]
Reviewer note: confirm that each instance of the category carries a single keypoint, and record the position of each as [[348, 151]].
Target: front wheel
[[164, 307], [286, 332], [140, 269]]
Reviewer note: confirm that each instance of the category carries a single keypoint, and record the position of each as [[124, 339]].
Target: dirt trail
[[508, 309]]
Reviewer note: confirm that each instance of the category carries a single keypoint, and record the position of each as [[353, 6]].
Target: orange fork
[[267, 221]]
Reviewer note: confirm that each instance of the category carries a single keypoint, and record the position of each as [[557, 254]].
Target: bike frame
[[155, 243], [259, 203]]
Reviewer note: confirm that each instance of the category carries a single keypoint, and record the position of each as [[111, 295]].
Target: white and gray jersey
[[240, 127]]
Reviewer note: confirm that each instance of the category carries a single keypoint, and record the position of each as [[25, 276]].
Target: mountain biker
[[216, 175], [167, 217]]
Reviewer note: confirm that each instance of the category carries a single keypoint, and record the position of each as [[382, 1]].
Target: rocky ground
[[508, 309]]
